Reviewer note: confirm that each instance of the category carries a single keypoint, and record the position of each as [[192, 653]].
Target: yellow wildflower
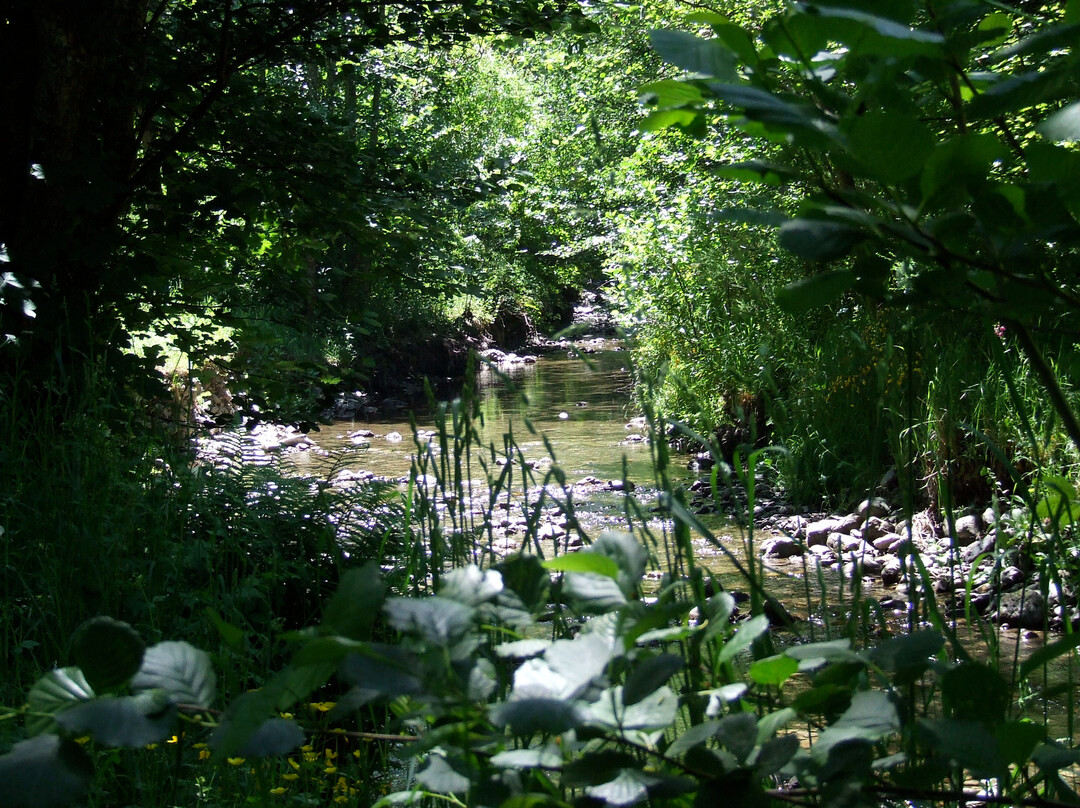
[[278, 790], [290, 776], [237, 761]]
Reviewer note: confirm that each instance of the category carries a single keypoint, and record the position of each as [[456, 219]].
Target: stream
[[580, 406]]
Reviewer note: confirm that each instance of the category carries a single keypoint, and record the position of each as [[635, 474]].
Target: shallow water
[[592, 393], [581, 408]]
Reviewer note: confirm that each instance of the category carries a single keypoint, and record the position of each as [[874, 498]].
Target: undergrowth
[[277, 640]]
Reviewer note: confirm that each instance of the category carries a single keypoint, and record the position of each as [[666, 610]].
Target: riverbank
[[981, 563]]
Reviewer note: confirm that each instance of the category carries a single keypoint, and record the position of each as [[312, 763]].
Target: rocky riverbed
[[981, 560]]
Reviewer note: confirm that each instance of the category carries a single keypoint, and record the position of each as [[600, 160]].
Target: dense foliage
[[919, 161], [843, 227]]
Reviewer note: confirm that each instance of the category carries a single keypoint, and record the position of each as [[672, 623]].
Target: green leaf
[[655, 711], [628, 554], [804, 123], [471, 585], [1049, 653], [522, 649], [738, 733], [439, 776], [387, 670], [181, 670], [718, 610], [630, 786], [438, 620], [275, 736], [108, 652], [549, 756], [524, 575], [814, 291], [774, 755], [326, 649], [583, 562], [771, 723], [694, 54], [827, 651], [907, 652], [744, 637], [871, 716], [975, 691], [721, 696], [353, 606], [821, 240], [1019, 92], [1058, 499], [891, 38], [129, 722], [233, 636], [774, 670], [1051, 757], [694, 736], [759, 171], [593, 594], [244, 716], [960, 162], [55, 691], [45, 772], [892, 147], [650, 674], [664, 118], [528, 716], [966, 742], [1018, 739], [670, 93], [596, 767]]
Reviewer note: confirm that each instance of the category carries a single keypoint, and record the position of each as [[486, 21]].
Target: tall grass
[[232, 557]]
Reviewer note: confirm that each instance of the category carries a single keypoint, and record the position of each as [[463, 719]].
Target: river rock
[[393, 437], [298, 440], [781, 547], [1023, 609], [550, 531], [886, 542], [853, 544], [976, 549], [825, 555], [835, 541], [876, 506], [1011, 577], [818, 532], [966, 530], [892, 571], [875, 527]]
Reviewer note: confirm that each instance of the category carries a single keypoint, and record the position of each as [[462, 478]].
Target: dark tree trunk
[[72, 72]]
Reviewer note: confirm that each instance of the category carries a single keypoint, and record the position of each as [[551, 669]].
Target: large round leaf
[[181, 670], [55, 691], [108, 651], [275, 736], [129, 722], [44, 772]]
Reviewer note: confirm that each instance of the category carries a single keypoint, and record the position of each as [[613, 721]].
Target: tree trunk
[[72, 74]]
